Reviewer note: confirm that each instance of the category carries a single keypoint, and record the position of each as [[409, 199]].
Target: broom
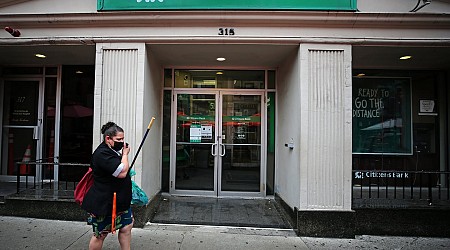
[[113, 217]]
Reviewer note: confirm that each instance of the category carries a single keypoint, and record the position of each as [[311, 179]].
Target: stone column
[[118, 93], [325, 141]]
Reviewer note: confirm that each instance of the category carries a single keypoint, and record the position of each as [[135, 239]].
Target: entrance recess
[[218, 143]]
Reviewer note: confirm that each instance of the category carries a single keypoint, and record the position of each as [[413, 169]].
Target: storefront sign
[[375, 174], [225, 5], [382, 116], [195, 118], [241, 118], [195, 133]]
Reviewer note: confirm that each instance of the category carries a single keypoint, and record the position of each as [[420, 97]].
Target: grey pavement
[[30, 233]]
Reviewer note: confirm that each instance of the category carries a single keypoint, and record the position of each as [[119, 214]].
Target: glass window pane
[[382, 115], [241, 79], [18, 146], [166, 140], [51, 71], [48, 147], [270, 143], [271, 79], [77, 105], [23, 71], [195, 137], [167, 77], [20, 107], [226, 79], [421, 130], [241, 136]]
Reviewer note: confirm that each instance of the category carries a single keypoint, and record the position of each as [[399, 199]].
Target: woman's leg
[[125, 237], [97, 243]]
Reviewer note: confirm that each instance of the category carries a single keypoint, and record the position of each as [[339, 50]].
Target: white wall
[[152, 149], [287, 167], [50, 7]]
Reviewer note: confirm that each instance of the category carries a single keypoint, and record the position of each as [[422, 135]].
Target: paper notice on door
[[427, 107], [195, 133], [206, 131]]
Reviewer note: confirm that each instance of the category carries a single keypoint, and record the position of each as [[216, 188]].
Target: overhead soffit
[[237, 55], [4, 3]]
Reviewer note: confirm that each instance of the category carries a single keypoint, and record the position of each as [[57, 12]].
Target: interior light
[[40, 55], [219, 73], [405, 57], [220, 59], [79, 72], [360, 75]]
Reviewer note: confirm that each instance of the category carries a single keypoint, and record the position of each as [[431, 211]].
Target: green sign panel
[[196, 118], [226, 5], [241, 118]]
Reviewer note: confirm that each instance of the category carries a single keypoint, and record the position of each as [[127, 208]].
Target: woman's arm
[[126, 164]]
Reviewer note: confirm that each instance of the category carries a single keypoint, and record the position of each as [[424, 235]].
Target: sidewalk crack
[[77, 239], [181, 242]]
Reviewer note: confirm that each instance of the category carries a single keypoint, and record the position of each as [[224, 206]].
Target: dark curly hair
[[110, 129]]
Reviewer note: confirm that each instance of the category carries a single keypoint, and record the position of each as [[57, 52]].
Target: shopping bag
[[83, 186], [138, 196]]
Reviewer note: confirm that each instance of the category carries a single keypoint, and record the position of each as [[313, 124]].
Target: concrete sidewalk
[[30, 233]]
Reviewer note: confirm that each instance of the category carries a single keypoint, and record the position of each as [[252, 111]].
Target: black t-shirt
[[99, 198]]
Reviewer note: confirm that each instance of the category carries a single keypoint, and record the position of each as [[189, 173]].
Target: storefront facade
[[293, 100]]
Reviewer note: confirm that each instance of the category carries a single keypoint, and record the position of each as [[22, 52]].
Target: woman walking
[[110, 168]]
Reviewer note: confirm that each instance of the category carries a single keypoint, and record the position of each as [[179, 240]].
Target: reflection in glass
[[77, 105], [270, 173], [382, 115], [241, 135], [225, 79], [166, 141], [18, 145], [19, 109], [194, 140], [48, 148], [167, 77]]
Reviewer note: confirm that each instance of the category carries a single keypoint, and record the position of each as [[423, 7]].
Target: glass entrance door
[[240, 144], [218, 142], [21, 125]]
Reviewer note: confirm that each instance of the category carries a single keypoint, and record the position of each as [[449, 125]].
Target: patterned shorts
[[101, 225]]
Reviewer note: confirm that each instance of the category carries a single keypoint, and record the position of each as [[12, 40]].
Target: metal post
[[18, 176], [430, 191]]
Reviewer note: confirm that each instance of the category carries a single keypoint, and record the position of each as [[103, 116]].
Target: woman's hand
[[126, 149], [125, 152]]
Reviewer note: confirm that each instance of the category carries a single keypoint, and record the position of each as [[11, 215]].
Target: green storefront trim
[[348, 5]]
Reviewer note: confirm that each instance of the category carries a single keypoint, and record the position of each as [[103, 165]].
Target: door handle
[[223, 150], [213, 149]]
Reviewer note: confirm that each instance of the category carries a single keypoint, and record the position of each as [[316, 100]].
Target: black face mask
[[118, 145]]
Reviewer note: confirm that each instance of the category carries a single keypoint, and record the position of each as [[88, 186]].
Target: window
[[382, 116]]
